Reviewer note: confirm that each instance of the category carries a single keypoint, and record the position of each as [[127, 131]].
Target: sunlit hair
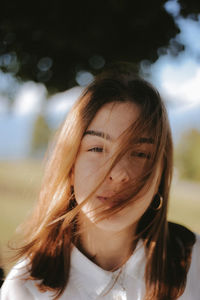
[[50, 233]]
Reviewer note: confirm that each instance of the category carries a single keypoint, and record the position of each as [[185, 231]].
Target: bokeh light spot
[[45, 64], [172, 7], [84, 78]]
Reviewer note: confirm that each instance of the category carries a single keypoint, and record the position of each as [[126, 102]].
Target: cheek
[[85, 168], [86, 175], [136, 210], [136, 166]]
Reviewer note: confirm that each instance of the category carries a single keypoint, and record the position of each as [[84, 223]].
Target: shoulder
[[180, 232], [180, 246], [184, 252], [180, 239], [186, 243], [14, 286]]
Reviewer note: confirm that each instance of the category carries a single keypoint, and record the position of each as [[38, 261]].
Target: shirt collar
[[95, 279]]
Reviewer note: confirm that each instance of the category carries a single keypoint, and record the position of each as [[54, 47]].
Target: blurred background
[[50, 50]]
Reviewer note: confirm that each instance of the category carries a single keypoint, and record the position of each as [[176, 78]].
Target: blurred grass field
[[20, 183], [19, 187]]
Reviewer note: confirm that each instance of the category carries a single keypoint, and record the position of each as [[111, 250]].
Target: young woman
[[99, 230]]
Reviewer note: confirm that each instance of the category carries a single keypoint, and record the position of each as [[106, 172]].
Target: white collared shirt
[[88, 281]]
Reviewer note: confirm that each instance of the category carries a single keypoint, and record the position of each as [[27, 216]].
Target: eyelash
[[141, 155], [96, 149]]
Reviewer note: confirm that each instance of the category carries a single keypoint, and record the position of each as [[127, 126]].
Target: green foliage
[[81, 35], [187, 155]]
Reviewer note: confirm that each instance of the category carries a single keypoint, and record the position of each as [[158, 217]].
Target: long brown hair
[[51, 231]]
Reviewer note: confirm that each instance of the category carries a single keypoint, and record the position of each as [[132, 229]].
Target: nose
[[119, 174]]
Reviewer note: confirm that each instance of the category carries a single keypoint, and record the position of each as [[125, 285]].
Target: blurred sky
[[176, 77]]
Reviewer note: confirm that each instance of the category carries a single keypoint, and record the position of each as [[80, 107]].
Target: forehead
[[115, 117]]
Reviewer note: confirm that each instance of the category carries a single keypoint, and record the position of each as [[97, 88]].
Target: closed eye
[[141, 155], [96, 149]]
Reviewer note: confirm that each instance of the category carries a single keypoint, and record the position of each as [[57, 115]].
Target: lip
[[107, 194], [102, 198], [106, 200]]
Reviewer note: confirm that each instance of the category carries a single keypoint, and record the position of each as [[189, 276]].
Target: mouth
[[103, 199], [107, 201]]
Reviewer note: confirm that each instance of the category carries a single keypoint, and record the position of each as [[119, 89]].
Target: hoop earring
[[157, 202]]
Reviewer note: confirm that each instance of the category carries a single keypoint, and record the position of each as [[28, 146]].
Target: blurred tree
[[187, 155], [51, 41], [40, 137], [190, 7]]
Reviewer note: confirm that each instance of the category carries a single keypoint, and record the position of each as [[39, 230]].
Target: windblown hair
[[50, 233]]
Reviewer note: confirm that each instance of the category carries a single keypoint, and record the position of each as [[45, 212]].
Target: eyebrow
[[106, 136], [98, 133]]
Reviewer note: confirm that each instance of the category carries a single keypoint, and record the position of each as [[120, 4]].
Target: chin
[[111, 224], [114, 223]]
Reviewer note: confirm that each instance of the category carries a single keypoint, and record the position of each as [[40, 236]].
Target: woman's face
[[97, 146]]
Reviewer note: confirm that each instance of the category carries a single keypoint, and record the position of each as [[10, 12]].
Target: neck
[[107, 249]]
